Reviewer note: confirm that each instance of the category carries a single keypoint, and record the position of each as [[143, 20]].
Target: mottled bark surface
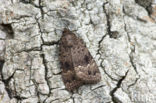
[[120, 34]]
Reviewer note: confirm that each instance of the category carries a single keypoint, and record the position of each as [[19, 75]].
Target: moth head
[[68, 37], [70, 41]]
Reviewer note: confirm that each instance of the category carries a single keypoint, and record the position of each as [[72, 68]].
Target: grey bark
[[120, 34]]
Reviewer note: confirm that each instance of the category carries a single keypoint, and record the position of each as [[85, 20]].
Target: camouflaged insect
[[77, 64]]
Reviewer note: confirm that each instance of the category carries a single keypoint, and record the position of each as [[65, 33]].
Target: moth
[[77, 64]]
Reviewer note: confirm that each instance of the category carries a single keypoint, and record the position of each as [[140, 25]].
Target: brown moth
[[77, 64]]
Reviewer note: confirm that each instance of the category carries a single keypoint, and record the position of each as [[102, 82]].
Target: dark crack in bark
[[36, 90], [43, 42], [1, 67], [99, 44], [10, 92], [146, 4], [108, 20], [7, 28], [46, 71], [43, 56], [26, 1], [57, 99], [134, 82], [124, 11], [98, 52], [41, 9], [112, 34], [132, 62], [30, 50], [131, 58], [44, 59], [141, 20], [132, 48], [19, 98], [37, 6], [39, 26], [98, 87], [51, 43], [106, 72], [118, 85], [72, 99]]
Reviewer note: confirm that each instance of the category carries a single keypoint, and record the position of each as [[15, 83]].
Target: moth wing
[[68, 73], [85, 67], [71, 83]]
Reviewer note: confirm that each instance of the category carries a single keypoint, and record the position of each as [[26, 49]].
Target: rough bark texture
[[120, 34]]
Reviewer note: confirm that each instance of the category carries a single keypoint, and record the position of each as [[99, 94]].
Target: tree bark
[[120, 34]]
